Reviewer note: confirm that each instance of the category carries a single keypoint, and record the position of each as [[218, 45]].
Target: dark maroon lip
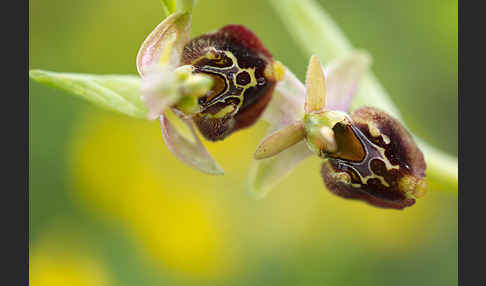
[[246, 37], [382, 187], [238, 62]]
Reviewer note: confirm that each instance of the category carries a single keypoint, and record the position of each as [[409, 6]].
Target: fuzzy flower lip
[[367, 155], [244, 75], [220, 82]]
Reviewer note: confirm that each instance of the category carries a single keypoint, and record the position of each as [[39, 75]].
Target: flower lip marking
[[242, 70], [232, 88], [392, 174], [363, 167]]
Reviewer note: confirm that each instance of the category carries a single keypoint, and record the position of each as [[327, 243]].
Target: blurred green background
[[109, 205]]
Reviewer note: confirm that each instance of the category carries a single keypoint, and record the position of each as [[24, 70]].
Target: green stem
[[316, 32]]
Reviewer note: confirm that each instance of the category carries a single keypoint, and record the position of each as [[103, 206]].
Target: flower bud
[[377, 161], [244, 79]]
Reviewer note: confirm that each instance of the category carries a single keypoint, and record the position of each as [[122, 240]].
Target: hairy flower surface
[[221, 81], [242, 71], [377, 161], [368, 155]]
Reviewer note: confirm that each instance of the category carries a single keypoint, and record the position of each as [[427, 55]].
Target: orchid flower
[[368, 155], [221, 81]]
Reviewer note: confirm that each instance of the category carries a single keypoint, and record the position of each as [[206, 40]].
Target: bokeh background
[[109, 205]]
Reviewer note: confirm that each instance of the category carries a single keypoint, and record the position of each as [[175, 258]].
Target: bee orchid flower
[[221, 82], [367, 154]]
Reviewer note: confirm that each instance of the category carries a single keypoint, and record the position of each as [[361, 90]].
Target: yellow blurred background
[[109, 204]]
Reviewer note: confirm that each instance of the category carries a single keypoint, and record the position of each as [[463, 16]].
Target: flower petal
[[286, 108], [287, 104], [265, 174], [315, 85], [165, 43], [342, 78], [159, 91], [181, 139], [280, 140], [163, 87]]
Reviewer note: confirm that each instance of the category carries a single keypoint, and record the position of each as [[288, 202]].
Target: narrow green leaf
[[113, 92], [316, 32]]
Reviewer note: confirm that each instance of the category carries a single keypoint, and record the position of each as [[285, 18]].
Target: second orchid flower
[[368, 155]]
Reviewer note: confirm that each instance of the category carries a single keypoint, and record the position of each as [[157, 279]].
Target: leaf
[[181, 139], [317, 33], [266, 174], [113, 92]]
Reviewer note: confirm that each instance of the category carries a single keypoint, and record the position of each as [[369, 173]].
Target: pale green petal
[[280, 140], [315, 86], [113, 92]]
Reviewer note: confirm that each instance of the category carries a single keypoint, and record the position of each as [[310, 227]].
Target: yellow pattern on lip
[[222, 73], [370, 155]]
